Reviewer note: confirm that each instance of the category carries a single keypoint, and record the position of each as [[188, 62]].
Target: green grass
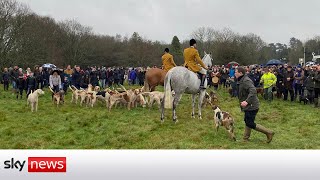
[[73, 127]]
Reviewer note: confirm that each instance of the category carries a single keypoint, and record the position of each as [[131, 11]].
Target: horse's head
[[207, 59]]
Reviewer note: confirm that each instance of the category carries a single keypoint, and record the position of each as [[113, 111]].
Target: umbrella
[[233, 63], [274, 62], [49, 66]]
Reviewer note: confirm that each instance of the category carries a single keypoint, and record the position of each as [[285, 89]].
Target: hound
[[103, 96], [58, 97], [154, 96], [224, 119], [33, 99], [75, 94], [91, 98]]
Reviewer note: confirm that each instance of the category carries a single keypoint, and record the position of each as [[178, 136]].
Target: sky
[[273, 20]]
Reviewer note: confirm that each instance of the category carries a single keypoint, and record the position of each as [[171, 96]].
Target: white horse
[[315, 57], [181, 80]]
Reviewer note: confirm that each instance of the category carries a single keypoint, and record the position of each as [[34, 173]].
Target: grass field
[[70, 126]]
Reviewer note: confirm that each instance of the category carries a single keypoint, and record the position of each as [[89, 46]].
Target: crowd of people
[[296, 82], [59, 79]]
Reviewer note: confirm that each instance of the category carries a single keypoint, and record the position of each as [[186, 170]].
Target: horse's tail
[[167, 91], [146, 86]]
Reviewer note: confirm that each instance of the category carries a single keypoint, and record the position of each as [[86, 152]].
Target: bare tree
[[76, 41], [12, 16]]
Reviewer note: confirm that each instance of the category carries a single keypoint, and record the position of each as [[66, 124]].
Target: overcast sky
[[272, 20]]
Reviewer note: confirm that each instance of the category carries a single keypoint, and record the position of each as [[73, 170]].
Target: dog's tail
[[146, 93], [73, 88], [167, 91], [122, 87], [51, 90]]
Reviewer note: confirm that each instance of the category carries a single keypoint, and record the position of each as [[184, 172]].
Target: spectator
[[55, 81], [298, 81], [110, 77], [102, 77], [5, 79], [21, 83], [269, 80], [288, 83], [30, 83], [15, 77], [316, 80], [132, 77], [77, 77], [122, 74]]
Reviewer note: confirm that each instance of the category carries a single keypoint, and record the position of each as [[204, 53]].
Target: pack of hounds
[[130, 99]]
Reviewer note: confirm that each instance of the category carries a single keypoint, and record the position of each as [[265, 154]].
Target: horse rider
[[167, 61], [193, 62]]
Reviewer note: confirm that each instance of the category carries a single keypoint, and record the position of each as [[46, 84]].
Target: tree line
[[27, 39]]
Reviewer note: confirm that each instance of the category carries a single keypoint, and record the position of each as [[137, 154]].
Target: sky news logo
[[38, 164]]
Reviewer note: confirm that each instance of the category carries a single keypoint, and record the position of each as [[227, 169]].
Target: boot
[[203, 79], [316, 102], [247, 132], [265, 131]]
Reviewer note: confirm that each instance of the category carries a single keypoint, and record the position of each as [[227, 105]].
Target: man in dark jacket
[[279, 84], [309, 83], [31, 84], [116, 75], [102, 77], [15, 78], [110, 77], [77, 77], [316, 80], [249, 103], [94, 77], [5, 79], [122, 73], [21, 83], [288, 83]]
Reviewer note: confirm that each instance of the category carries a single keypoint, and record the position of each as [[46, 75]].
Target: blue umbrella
[[274, 62]]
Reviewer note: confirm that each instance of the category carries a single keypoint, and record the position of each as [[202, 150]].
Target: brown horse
[[153, 78]]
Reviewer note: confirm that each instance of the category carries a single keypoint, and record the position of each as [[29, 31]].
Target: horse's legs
[[193, 105], [176, 100], [162, 110], [201, 96]]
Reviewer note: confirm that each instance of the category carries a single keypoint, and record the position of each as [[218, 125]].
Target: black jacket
[[76, 78], [317, 80], [288, 84]]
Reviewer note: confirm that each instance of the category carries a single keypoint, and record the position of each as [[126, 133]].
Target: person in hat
[[288, 83], [192, 60], [167, 61], [298, 81], [55, 81]]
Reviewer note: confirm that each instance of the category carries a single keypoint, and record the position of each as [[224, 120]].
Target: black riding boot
[[203, 78]]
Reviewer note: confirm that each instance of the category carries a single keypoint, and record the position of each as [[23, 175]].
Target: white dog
[[33, 99]]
